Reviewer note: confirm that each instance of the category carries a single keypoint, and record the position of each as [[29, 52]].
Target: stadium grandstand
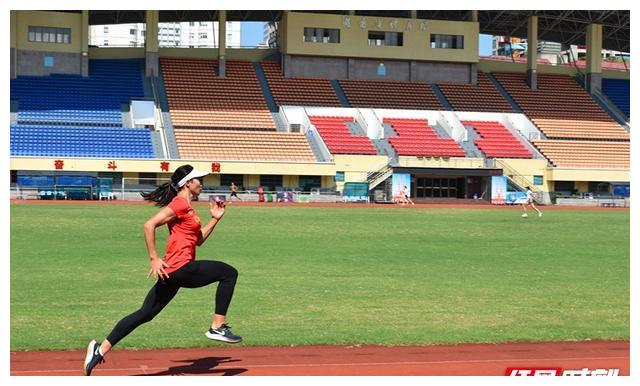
[[344, 103]]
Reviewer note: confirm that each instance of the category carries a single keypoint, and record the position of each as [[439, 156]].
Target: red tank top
[[184, 234]]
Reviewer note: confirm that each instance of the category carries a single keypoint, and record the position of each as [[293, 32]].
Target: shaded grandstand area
[[299, 91], [198, 97], [483, 96], [618, 91], [390, 94], [560, 108]]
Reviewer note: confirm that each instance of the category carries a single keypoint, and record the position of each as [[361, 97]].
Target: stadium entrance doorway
[[431, 184]]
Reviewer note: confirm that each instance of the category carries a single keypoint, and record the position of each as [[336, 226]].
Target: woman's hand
[[217, 209], [157, 269]]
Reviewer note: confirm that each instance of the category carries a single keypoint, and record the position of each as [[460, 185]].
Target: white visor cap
[[193, 174]]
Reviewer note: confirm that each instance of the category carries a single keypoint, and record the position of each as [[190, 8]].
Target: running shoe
[[93, 357], [223, 334]]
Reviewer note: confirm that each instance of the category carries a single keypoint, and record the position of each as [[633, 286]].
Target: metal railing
[[158, 117], [518, 179], [315, 138], [511, 127], [376, 177]]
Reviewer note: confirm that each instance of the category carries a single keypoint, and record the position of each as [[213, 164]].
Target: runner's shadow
[[201, 366]]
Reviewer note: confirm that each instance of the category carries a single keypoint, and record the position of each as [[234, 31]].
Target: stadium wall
[[155, 166], [609, 175], [447, 163], [355, 168], [246, 54], [212, 180], [367, 69], [354, 39], [28, 57], [116, 52], [528, 168], [611, 74], [316, 67], [252, 180]]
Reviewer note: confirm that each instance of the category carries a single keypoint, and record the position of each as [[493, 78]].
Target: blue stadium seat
[[95, 100], [80, 142], [618, 91], [68, 115]]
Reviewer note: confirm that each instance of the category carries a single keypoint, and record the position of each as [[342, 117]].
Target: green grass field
[[320, 275]]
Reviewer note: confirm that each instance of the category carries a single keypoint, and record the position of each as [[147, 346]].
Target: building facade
[[184, 34]]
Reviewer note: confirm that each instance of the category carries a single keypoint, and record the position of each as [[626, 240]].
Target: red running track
[[468, 359], [420, 205]]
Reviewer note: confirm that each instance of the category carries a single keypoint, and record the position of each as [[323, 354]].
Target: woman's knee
[[230, 274], [147, 316], [233, 273], [222, 271]]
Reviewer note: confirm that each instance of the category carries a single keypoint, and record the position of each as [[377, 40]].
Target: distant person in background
[[529, 202], [234, 191], [400, 198], [407, 195], [260, 194]]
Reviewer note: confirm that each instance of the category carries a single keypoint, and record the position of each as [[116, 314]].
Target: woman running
[[179, 267], [529, 202]]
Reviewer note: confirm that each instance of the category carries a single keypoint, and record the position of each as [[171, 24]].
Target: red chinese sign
[[58, 164], [215, 167], [164, 166], [112, 165]]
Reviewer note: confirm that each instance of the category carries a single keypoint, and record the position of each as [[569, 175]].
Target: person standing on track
[[529, 202], [401, 197], [179, 267], [407, 195], [234, 191]]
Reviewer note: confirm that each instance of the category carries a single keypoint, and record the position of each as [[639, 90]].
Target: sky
[[485, 45], [251, 33]]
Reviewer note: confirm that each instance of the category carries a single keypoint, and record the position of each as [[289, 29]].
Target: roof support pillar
[[222, 42], [151, 55], [594, 57], [84, 54], [13, 25], [532, 52]]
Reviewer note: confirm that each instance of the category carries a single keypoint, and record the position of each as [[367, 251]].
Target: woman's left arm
[[217, 211]]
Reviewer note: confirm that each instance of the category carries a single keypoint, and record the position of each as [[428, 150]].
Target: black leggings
[[194, 274]]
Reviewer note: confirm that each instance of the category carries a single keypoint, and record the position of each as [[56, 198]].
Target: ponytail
[[163, 194], [166, 192]]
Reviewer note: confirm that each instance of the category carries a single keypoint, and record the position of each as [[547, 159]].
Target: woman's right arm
[[159, 219]]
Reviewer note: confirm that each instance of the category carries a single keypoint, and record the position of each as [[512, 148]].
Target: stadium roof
[[567, 27]]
